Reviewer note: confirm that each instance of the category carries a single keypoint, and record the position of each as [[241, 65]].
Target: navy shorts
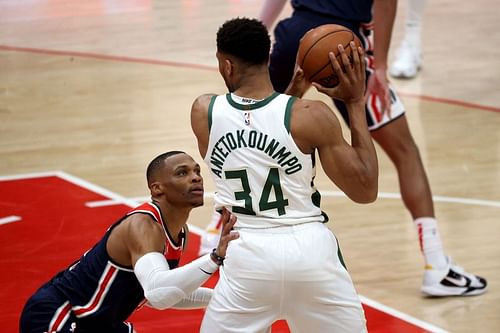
[[287, 35], [49, 311]]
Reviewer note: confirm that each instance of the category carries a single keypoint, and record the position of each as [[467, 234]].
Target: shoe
[[452, 281], [209, 241], [408, 61]]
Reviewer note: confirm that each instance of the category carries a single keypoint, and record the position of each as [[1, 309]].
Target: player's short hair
[[157, 163], [246, 39]]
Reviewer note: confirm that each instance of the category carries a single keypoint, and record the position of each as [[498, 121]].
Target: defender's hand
[[378, 88], [227, 234], [299, 84]]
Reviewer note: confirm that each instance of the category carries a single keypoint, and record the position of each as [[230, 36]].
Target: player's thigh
[[396, 140], [247, 295], [42, 309], [242, 305], [325, 306]]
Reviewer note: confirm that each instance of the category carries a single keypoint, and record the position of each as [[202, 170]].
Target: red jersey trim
[[103, 286], [60, 317]]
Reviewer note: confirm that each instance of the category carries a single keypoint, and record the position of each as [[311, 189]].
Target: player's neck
[[175, 218], [256, 85]]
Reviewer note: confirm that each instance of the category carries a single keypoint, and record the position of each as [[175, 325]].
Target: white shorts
[[292, 273]]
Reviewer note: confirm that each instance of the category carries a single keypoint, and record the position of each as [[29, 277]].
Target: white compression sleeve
[[164, 287], [197, 299]]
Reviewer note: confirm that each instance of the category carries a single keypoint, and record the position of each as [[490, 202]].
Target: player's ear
[[155, 188], [228, 67]]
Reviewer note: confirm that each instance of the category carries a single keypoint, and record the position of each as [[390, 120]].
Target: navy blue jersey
[[99, 290], [348, 10]]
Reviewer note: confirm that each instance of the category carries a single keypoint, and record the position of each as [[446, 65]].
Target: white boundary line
[[401, 315], [117, 199], [381, 195], [10, 219], [114, 197], [30, 175]]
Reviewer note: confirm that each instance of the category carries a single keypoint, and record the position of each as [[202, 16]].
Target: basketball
[[314, 48]]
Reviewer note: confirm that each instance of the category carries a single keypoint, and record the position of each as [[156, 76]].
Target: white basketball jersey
[[259, 172]]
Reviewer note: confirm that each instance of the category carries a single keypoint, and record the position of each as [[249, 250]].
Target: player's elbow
[[368, 196], [364, 196], [164, 298], [367, 189]]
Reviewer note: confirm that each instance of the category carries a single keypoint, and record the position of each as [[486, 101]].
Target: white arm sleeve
[[164, 287], [196, 300]]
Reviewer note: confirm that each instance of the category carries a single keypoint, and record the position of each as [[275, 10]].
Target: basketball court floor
[[91, 91]]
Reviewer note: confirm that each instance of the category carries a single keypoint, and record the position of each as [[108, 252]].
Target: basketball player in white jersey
[[260, 147]]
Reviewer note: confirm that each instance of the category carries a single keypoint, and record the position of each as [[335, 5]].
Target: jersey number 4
[[272, 184]]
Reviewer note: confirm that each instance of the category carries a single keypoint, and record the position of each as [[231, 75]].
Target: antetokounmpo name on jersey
[[255, 140]]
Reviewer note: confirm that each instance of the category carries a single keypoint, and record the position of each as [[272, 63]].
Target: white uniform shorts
[[292, 273]]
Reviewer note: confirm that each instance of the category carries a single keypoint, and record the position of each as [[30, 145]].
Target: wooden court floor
[[98, 88]]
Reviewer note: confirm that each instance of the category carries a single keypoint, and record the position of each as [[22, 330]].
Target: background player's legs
[[396, 140], [409, 55]]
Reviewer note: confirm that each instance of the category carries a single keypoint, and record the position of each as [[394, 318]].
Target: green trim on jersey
[[210, 109], [246, 107], [288, 112], [339, 253]]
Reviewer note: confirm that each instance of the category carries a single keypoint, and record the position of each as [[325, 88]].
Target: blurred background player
[[408, 58]]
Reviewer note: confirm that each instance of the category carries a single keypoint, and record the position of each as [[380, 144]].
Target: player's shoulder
[[141, 227], [203, 101], [140, 220], [310, 117], [309, 107]]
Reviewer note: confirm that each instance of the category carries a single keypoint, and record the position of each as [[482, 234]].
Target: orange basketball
[[314, 48]]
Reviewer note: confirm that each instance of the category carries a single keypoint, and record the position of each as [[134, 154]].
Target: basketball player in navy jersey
[[385, 114], [135, 263], [260, 147]]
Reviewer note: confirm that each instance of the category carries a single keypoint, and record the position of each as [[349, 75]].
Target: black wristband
[[217, 258]]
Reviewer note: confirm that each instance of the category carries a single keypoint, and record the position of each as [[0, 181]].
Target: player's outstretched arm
[[163, 287], [299, 85]]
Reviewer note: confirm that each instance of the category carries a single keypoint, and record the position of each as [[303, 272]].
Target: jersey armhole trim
[[210, 110], [288, 112]]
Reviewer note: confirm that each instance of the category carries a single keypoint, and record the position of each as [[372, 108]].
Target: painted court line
[[401, 315], [99, 56], [147, 61], [381, 195], [10, 219]]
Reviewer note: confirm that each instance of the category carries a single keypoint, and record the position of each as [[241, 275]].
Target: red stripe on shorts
[[59, 320]]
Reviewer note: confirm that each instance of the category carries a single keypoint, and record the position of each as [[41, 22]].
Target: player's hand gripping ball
[[314, 48]]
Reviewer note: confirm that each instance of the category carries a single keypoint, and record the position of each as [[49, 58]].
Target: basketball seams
[[319, 40], [336, 55]]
